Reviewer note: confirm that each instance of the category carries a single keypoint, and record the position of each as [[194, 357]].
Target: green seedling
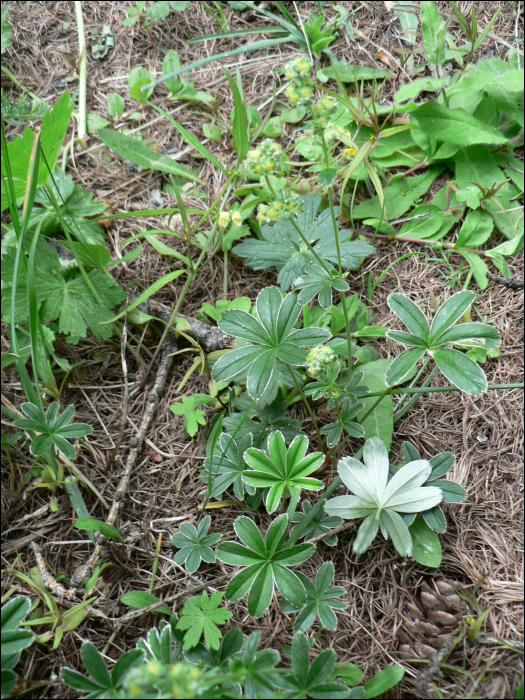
[[195, 545]]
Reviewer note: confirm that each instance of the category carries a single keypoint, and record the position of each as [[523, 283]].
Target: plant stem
[[19, 84], [310, 247], [82, 111], [341, 294], [301, 528], [225, 277], [187, 284], [305, 401], [414, 381], [412, 401]]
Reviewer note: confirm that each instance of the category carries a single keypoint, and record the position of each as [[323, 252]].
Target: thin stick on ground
[[125, 405], [84, 571]]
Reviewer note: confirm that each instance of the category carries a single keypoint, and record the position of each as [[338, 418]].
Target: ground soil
[[484, 537]]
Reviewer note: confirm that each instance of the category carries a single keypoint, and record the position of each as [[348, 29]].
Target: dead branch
[[209, 337]]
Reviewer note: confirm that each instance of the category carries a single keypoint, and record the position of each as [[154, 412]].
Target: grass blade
[[150, 291], [190, 139], [241, 134], [255, 46]]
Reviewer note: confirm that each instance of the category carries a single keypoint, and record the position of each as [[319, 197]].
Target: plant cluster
[[163, 665]]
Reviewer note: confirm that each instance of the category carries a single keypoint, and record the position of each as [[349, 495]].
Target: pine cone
[[434, 621]]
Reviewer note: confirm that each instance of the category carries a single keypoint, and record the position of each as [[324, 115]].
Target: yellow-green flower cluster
[[324, 111], [297, 69], [300, 95], [277, 210], [300, 91], [319, 358], [225, 217], [265, 159], [336, 131], [180, 680]]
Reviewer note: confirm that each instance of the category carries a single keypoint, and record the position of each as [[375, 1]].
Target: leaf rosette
[[272, 341], [380, 501]]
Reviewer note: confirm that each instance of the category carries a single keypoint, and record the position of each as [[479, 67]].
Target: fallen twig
[[515, 282]]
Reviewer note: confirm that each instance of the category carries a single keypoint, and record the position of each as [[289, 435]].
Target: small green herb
[[195, 545], [193, 417], [201, 614]]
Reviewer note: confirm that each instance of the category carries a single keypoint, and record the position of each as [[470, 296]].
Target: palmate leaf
[[266, 563], [320, 601], [379, 500], [283, 248], [201, 614], [319, 525], [195, 545], [54, 429], [70, 301], [271, 416], [433, 340], [311, 680], [272, 338], [282, 471], [318, 282], [228, 466]]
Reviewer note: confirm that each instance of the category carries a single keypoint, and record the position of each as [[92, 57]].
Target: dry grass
[[484, 537]]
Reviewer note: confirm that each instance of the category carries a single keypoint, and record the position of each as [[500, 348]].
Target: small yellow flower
[[236, 218], [224, 219], [349, 152]]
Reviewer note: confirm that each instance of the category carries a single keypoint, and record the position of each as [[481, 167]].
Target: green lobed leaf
[[54, 127]]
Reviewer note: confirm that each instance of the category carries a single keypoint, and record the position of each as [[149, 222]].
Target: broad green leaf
[[478, 266], [455, 126], [116, 105], [383, 681], [476, 230], [452, 492], [400, 196], [394, 524], [98, 526], [366, 534], [54, 127], [449, 313], [435, 519], [466, 331], [426, 548], [140, 154], [430, 222], [404, 366], [433, 35], [141, 599], [380, 423], [412, 90], [461, 371]]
